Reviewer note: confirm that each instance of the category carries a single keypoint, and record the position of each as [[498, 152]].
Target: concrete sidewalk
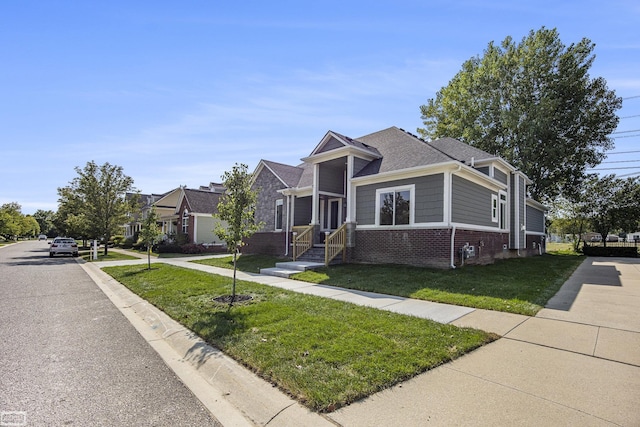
[[576, 363]]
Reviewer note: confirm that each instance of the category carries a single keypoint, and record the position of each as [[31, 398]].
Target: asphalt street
[[69, 357]]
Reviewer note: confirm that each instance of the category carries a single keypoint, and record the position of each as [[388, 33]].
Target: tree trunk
[[233, 288]]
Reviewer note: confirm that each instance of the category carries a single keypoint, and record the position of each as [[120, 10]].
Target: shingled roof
[[290, 175], [399, 150], [201, 201], [459, 150]]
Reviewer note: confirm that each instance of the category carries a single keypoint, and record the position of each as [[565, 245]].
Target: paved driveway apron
[[69, 357]]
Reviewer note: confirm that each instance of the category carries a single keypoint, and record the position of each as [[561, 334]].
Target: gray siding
[[517, 211], [535, 220], [428, 200], [359, 164], [331, 180], [500, 176], [484, 170], [470, 203], [332, 144]]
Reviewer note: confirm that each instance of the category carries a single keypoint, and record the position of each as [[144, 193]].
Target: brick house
[[399, 199], [189, 212]]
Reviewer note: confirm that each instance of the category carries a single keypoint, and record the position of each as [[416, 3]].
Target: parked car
[[612, 238], [63, 245]]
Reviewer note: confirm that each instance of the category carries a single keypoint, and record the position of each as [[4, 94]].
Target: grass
[[246, 263], [518, 285], [323, 352], [111, 256]]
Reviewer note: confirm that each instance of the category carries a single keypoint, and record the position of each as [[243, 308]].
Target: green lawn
[[323, 352], [246, 263], [111, 256], [518, 285]]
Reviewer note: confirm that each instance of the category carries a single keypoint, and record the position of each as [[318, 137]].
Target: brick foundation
[[419, 247], [426, 247], [266, 243]]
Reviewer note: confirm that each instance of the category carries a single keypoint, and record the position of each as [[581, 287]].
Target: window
[[502, 223], [185, 222], [499, 209], [393, 206], [494, 208], [278, 220]]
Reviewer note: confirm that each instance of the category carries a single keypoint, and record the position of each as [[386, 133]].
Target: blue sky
[[178, 92]]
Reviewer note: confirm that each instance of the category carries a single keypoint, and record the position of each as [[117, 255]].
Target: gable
[[199, 201]]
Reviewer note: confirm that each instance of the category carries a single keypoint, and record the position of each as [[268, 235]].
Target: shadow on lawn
[[218, 329]]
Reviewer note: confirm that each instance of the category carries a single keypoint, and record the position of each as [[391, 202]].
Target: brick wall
[[426, 247], [267, 243]]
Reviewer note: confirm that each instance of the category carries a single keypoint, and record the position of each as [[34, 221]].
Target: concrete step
[[286, 269], [299, 265], [278, 272]]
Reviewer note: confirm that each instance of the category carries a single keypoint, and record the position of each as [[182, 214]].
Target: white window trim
[[503, 203], [412, 203], [185, 222], [279, 202], [495, 208]]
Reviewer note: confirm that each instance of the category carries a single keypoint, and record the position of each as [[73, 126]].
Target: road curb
[[233, 394]]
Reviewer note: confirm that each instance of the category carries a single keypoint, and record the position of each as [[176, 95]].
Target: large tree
[[534, 104], [98, 202], [46, 221], [611, 204], [14, 224], [236, 213]]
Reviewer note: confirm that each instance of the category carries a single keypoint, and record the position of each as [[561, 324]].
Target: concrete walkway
[[576, 363]]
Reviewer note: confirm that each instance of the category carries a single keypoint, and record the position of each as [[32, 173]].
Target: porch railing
[[302, 240], [335, 243]]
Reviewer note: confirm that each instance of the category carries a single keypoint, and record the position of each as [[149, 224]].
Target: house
[[145, 201], [397, 199], [188, 213]]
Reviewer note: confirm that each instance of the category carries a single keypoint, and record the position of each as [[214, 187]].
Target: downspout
[[453, 250], [286, 234], [453, 227]]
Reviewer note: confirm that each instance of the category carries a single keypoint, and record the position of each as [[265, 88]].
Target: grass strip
[[516, 285], [324, 353]]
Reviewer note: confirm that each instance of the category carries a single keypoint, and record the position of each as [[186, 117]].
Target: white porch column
[[315, 203], [351, 204]]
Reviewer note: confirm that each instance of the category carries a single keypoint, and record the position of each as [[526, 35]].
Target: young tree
[[98, 193], [569, 217], [235, 216], [150, 232], [533, 104]]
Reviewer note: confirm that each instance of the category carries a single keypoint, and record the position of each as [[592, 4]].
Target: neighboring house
[[145, 201], [402, 200], [189, 212]]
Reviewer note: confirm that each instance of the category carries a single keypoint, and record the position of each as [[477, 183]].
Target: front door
[[330, 214]]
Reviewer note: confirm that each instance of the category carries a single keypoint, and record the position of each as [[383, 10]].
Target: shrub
[[610, 251], [116, 240], [128, 243]]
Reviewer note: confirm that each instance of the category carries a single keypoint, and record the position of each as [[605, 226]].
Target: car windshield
[[65, 241]]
